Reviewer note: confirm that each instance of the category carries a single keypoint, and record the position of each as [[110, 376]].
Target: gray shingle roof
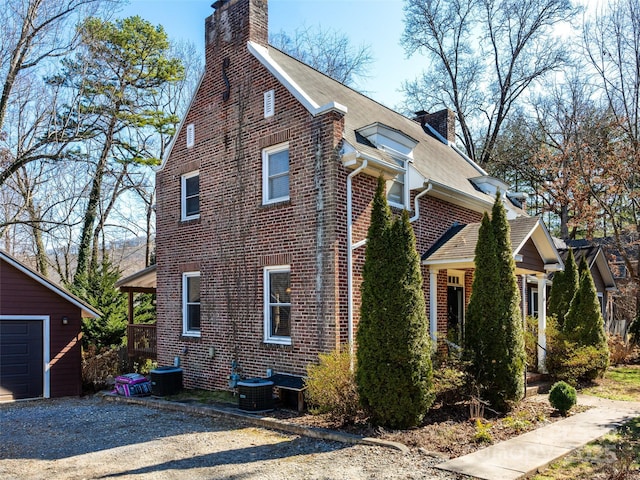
[[462, 244], [435, 160]]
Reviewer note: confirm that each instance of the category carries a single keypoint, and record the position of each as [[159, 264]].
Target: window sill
[[279, 203], [190, 220], [273, 344], [190, 337]]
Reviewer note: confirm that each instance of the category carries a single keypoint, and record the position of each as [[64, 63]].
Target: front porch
[[141, 337], [451, 263]]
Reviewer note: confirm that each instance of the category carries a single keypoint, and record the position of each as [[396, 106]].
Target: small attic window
[[191, 135], [269, 103]]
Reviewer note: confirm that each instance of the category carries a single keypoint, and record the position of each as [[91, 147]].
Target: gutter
[[417, 203], [351, 248]]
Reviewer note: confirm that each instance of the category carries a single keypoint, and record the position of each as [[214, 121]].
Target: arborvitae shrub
[[564, 287], [494, 337], [563, 397], [394, 374], [331, 386]]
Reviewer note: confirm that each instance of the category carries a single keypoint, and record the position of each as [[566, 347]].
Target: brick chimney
[[443, 122], [234, 23]]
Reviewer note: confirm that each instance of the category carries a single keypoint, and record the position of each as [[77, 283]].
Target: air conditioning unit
[[255, 395]]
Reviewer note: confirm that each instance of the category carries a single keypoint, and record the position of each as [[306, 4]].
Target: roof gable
[[86, 309], [456, 248]]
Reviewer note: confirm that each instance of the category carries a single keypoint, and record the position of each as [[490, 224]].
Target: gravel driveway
[[91, 438]]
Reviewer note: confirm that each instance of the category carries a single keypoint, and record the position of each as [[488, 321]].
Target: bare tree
[[33, 32], [482, 56], [328, 51], [612, 44]]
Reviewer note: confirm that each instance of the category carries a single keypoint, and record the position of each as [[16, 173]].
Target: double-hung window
[[191, 304], [277, 305], [275, 174], [397, 194], [190, 195]]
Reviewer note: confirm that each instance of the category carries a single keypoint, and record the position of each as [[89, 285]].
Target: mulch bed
[[446, 430]]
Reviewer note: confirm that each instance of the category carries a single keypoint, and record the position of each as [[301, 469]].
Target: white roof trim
[[167, 153], [262, 54], [51, 286]]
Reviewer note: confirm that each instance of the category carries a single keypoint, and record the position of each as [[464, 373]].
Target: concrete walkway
[[526, 454]]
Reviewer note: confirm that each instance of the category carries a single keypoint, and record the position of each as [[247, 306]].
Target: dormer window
[[398, 194]]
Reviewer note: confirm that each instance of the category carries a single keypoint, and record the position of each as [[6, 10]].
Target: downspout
[[417, 203], [351, 248]]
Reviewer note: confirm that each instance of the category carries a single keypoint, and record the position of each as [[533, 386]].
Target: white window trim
[[183, 196], [185, 324], [265, 173], [405, 186], [268, 338]]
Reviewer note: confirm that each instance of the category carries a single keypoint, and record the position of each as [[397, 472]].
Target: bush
[[531, 343], [450, 383], [562, 397], [98, 367], [569, 362], [331, 387], [619, 350], [483, 432]]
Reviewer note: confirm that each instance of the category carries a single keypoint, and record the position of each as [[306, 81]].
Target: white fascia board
[[457, 197], [449, 261], [51, 286], [262, 54], [167, 154], [375, 166]]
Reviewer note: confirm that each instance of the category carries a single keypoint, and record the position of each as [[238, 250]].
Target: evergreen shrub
[[562, 397]]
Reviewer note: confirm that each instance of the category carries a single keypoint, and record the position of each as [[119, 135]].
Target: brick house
[[264, 200]]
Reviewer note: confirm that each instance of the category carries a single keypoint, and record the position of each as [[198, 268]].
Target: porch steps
[[537, 383]]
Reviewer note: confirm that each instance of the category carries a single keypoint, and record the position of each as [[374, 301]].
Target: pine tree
[[394, 374], [97, 288], [564, 287]]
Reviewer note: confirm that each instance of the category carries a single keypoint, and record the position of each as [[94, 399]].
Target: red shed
[[40, 333]]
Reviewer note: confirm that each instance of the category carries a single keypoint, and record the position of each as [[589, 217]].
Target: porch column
[[525, 300], [433, 307], [542, 322]]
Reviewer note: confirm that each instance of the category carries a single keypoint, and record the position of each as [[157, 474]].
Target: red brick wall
[[236, 236]]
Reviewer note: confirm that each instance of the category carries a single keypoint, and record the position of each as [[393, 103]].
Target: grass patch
[[205, 397], [614, 456], [619, 383]]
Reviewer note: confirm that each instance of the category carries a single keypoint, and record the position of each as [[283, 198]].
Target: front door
[[455, 314]]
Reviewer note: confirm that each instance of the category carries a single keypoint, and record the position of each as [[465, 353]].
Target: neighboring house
[[620, 303], [40, 333], [264, 200]]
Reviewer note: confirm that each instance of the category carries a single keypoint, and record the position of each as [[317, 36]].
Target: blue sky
[[378, 23]]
